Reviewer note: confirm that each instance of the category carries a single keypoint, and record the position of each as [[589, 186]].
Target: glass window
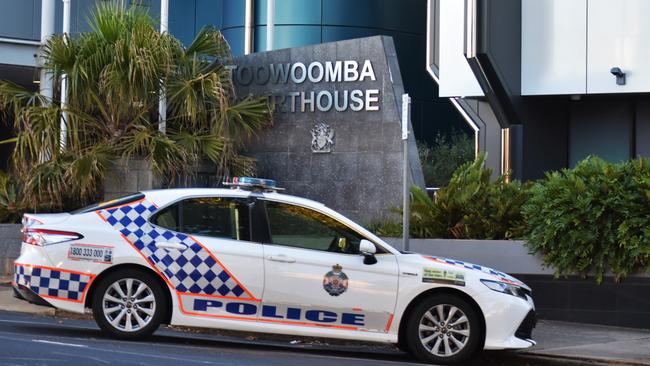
[[109, 204], [208, 216], [601, 131], [301, 227], [168, 218]]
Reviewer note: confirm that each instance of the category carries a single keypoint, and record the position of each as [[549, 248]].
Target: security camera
[[620, 75], [617, 71]]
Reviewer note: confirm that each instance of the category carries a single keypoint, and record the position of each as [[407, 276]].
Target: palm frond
[[115, 76], [12, 140], [166, 157], [16, 97], [87, 169], [242, 120], [210, 43]]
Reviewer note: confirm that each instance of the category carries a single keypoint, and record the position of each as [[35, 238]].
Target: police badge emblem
[[335, 281]]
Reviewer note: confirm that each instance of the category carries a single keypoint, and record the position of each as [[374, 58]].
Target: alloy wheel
[[444, 330], [129, 304]]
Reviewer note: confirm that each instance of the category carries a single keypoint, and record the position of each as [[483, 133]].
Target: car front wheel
[[129, 304], [443, 329]]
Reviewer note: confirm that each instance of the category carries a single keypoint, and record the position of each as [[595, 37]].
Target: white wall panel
[[553, 47], [18, 54], [456, 77], [618, 36]]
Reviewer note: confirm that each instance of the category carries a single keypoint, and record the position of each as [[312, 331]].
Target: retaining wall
[[10, 237]]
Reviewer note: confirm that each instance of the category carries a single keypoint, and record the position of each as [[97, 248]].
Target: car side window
[[302, 227], [219, 217]]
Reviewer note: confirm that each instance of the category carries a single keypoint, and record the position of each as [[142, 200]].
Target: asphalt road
[[35, 340], [31, 340]]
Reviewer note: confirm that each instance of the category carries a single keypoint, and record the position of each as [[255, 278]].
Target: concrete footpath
[[558, 343]]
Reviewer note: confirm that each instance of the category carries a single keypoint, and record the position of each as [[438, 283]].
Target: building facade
[[545, 83], [297, 23]]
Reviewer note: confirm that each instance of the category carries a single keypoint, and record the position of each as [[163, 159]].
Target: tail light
[[44, 237]]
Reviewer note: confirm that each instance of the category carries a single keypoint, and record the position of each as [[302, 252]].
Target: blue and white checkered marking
[[52, 283], [475, 267], [192, 270]]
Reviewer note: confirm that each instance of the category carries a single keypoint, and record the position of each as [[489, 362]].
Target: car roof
[[171, 194], [168, 195]]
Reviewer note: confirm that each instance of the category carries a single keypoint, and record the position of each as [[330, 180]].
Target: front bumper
[[525, 330], [509, 320]]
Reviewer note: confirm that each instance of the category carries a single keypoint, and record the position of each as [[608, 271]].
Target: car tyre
[[129, 304], [443, 329]]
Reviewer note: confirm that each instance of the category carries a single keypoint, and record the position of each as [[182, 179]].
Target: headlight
[[505, 288]]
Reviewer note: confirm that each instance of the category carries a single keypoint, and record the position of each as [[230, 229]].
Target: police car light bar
[[255, 184]]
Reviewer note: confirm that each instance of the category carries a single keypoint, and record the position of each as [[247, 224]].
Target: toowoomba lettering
[[315, 72]]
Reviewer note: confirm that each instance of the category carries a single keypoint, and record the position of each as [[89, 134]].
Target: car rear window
[[219, 217], [111, 203]]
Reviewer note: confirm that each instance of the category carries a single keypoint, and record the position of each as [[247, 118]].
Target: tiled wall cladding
[[574, 299]]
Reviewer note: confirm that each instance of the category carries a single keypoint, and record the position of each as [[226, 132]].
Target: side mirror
[[367, 247], [368, 250]]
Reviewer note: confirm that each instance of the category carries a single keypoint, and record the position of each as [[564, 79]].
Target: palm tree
[[115, 74]]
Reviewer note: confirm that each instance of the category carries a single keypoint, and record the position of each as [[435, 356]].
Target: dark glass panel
[[235, 38], [234, 12]]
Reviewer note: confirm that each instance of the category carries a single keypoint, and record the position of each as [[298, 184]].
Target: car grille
[[525, 330], [522, 292]]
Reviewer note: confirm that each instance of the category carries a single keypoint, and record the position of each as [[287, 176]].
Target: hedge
[[593, 218]]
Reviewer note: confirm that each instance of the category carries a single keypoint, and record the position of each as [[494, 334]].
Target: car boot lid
[[30, 219]]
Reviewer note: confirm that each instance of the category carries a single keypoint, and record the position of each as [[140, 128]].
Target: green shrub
[[594, 217], [387, 227], [440, 160], [471, 206], [11, 200]]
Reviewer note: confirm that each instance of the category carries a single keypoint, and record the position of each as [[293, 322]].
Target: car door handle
[[169, 245], [281, 258]]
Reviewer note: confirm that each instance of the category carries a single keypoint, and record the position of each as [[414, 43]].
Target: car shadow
[[170, 337]]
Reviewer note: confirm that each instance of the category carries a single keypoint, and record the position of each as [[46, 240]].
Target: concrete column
[[248, 28], [47, 30], [270, 24], [164, 16]]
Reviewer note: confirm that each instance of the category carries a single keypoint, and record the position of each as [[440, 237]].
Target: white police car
[[256, 260]]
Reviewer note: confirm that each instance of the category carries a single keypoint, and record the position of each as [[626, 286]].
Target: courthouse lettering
[[340, 99]]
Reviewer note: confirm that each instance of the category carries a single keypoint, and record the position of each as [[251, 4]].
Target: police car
[[251, 259]]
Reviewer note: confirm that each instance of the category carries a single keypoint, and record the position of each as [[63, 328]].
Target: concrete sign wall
[[336, 136]]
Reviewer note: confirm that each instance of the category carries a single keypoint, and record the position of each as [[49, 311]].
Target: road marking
[[279, 349], [142, 354], [59, 343], [85, 356], [31, 359], [48, 324], [152, 355]]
